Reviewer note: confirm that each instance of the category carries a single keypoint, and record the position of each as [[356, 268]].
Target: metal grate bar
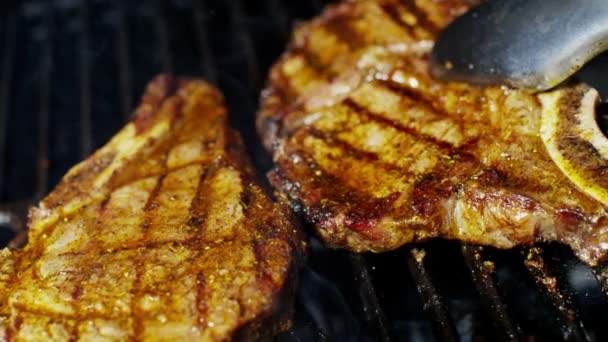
[[245, 42], [163, 38], [371, 307], [207, 63], [482, 272], [46, 68], [572, 328], [10, 32], [443, 327], [122, 56], [86, 138]]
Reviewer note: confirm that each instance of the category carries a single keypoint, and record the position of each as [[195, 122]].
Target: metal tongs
[[531, 44]]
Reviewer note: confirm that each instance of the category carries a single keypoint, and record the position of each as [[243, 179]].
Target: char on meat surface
[[162, 234], [375, 153]]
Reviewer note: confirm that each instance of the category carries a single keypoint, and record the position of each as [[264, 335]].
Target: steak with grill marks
[[162, 234], [375, 154]]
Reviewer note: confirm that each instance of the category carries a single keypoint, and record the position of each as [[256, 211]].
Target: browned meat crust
[[162, 234], [376, 154]]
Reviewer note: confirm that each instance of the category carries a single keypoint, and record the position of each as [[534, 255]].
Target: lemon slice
[[573, 139]]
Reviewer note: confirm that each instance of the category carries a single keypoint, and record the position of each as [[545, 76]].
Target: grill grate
[[443, 327], [482, 272], [73, 97], [573, 329]]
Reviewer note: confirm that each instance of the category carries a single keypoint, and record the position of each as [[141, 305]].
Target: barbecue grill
[[70, 72]]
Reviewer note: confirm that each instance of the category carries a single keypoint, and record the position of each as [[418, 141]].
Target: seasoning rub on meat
[[162, 234], [375, 153]]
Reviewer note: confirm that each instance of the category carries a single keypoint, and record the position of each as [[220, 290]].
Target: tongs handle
[[533, 44]]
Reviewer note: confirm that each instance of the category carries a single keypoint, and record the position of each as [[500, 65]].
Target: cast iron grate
[[69, 76]]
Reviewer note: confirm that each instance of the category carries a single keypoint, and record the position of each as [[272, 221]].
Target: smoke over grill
[[70, 72]]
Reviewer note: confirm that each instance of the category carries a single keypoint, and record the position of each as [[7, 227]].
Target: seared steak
[[376, 154], [162, 234]]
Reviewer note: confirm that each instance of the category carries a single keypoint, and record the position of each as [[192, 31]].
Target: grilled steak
[[375, 154], [162, 234]]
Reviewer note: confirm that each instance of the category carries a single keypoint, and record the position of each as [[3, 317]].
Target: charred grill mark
[[75, 335], [365, 112], [198, 212], [260, 235], [13, 279], [151, 203], [281, 86], [426, 195], [8, 330], [84, 177], [13, 329], [247, 195], [199, 208], [283, 93], [156, 94], [166, 171], [262, 277], [340, 25], [393, 14], [421, 16], [58, 315], [192, 243], [349, 149], [434, 186], [271, 228], [201, 305], [138, 327], [104, 204], [312, 60], [419, 98], [323, 197], [77, 293]]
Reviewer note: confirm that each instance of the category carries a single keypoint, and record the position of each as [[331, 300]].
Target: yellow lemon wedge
[[573, 139]]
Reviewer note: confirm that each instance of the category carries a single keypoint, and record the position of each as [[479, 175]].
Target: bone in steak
[[162, 234], [375, 154]]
